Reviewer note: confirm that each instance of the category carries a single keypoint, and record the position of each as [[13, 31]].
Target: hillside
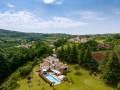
[[13, 38]]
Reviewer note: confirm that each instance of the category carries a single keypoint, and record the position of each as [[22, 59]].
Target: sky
[[61, 16]]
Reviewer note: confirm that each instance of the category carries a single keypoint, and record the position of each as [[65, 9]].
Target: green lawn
[[100, 41], [82, 81]]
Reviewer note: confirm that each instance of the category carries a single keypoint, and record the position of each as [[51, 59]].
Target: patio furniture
[[61, 77]]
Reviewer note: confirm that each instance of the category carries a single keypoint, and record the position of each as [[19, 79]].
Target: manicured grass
[[100, 41], [81, 78]]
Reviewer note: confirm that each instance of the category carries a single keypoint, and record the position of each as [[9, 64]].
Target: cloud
[[53, 1], [90, 15], [48, 1], [25, 20], [10, 5]]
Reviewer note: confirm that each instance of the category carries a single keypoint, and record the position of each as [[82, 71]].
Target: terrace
[[52, 69]]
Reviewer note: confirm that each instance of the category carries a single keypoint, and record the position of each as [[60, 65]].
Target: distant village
[[84, 40], [77, 39]]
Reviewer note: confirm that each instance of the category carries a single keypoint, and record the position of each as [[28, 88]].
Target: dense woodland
[[19, 61]]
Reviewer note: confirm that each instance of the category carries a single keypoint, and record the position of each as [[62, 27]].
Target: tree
[[3, 67], [61, 53], [93, 64], [16, 62], [111, 73], [74, 54], [68, 53], [87, 57], [92, 43], [104, 62], [116, 36], [81, 56]]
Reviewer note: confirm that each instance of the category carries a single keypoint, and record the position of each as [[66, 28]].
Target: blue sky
[[61, 16]]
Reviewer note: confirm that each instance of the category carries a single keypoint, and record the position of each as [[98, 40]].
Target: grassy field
[[100, 41], [82, 81]]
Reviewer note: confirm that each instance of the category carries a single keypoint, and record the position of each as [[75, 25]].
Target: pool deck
[[55, 77]]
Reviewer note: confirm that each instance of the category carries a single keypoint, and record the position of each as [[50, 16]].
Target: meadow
[[81, 78]]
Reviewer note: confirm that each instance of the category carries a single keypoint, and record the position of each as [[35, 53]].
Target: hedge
[[43, 77]]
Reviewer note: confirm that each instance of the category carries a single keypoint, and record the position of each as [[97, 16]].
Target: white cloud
[[48, 1], [10, 5], [53, 1], [90, 15], [26, 20]]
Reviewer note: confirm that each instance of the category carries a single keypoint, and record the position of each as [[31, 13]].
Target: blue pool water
[[51, 78]]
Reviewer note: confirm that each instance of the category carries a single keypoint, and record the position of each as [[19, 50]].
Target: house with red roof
[[52, 62], [103, 45]]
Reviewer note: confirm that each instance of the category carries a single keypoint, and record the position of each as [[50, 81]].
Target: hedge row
[[43, 77]]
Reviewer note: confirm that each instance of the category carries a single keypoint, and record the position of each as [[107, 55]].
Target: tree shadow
[[78, 73], [110, 85], [54, 89]]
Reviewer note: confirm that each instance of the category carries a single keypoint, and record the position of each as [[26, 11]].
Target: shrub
[[95, 74], [28, 77], [90, 72]]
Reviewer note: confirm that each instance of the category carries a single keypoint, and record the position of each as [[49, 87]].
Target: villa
[[52, 70], [53, 63]]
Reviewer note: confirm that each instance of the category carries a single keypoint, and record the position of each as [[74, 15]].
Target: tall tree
[[68, 52], [74, 54], [93, 64], [60, 53], [111, 73], [81, 55], [104, 62], [87, 57]]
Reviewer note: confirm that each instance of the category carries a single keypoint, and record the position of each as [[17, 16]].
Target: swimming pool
[[51, 78]]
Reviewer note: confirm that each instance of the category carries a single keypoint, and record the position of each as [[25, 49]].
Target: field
[[82, 81], [100, 41], [98, 56]]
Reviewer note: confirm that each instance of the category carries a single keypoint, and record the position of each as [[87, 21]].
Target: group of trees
[[82, 56], [60, 42], [110, 68], [13, 58], [113, 40], [92, 43]]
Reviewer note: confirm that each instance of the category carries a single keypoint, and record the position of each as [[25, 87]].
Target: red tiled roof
[[46, 63], [103, 45], [61, 65], [51, 58]]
